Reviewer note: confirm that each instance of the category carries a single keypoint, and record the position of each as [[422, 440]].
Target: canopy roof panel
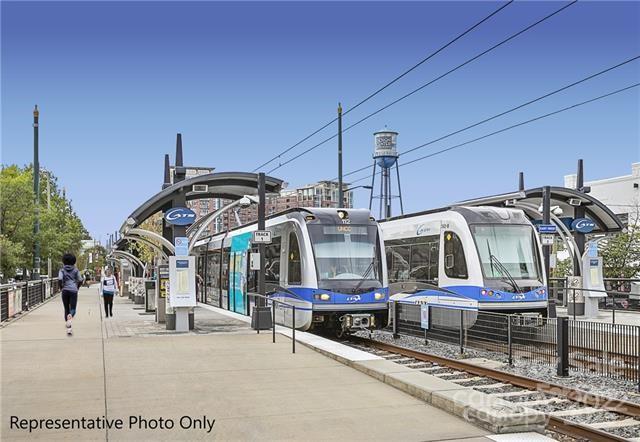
[[226, 185], [606, 221]]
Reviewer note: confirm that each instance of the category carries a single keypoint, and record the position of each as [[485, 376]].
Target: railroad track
[[609, 419]]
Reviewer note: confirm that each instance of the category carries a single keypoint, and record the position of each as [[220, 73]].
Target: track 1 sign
[[261, 237]]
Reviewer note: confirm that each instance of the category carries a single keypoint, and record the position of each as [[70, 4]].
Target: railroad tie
[[514, 393], [491, 387], [574, 412], [464, 381], [615, 424], [553, 400], [446, 375]]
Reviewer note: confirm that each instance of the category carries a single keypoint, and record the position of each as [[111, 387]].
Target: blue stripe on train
[[473, 292], [307, 294]]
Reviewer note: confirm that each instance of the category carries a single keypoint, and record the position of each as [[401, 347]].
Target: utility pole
[[340, 192], [36, 194]]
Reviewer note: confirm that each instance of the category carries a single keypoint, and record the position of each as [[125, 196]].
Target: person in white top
[[108, 288]]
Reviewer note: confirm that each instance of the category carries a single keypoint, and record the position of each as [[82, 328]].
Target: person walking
[[108, 289], [70, 281]]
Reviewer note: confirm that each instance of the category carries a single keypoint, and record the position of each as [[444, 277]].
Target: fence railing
[[273, 304], [622, 293], [612, 350], [21, 296]]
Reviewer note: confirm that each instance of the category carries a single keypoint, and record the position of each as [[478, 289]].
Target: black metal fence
[[622, 293], [20, 297], [611, 350]]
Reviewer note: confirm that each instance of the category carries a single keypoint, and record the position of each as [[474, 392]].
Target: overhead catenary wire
[[386, 85], [513, 126], [468, 61], [513, 109]]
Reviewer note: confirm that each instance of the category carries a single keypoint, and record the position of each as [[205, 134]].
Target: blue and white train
[[326, 262], [486, 258]]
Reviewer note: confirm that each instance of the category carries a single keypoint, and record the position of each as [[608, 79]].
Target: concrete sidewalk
[[255, 390], [626, 317]]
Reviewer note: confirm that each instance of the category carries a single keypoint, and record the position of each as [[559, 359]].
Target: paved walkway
[[622, 316], [128, 368]]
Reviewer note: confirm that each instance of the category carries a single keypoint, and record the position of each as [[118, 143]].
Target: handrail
[[273, 318]]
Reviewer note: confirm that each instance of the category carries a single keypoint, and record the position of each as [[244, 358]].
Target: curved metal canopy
[[226, 185], [606, 221]]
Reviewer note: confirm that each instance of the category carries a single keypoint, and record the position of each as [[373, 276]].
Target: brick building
[[320, 194]]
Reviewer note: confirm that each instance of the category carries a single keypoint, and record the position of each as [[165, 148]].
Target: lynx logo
[[583, 225], [180, 216], [421, 230], [354, 298]]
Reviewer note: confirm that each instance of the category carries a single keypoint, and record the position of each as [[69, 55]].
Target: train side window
[[294, 267], [434, 255], [419, 262], [400, 268], [455, 264], [272, 261]]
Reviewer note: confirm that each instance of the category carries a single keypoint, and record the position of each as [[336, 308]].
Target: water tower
[[385, 156]]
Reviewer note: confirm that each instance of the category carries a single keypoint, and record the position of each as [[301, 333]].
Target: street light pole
[[36, 195]]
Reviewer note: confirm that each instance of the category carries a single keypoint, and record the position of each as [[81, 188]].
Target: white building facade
[[621, 194]]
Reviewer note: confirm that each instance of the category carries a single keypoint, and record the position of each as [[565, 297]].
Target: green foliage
[[142, 251], [61, 230], [12, 256], [98, 254], [621, 255]]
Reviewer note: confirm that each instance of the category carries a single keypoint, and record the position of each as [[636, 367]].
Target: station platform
[[626, 317], [129, 368]]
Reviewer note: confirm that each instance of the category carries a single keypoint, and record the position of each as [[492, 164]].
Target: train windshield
[[346, 253], [506, 247]]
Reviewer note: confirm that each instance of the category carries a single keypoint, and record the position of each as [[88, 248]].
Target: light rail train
[[326, 262], [486, 259]]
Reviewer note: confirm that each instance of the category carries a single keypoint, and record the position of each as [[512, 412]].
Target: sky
[[243, 81]]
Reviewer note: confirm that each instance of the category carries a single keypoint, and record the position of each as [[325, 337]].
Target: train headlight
[[322, 297], [378, 296], [541, 291], [486, 292]]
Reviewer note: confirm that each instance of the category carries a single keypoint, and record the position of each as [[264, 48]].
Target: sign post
[[261, 314]]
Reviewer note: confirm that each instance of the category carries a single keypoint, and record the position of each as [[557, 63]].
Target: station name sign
[[180, 216], [547, 228]]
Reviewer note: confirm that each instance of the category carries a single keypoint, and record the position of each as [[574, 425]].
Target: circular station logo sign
[[583, 225], [180, 216]]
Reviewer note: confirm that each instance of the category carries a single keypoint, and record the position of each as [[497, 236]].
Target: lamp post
[[36, 194]]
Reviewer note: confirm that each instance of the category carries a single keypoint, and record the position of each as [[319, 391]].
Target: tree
[[61, 230], [621, 253], [13, 256], [98, 258], [143, 251]]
